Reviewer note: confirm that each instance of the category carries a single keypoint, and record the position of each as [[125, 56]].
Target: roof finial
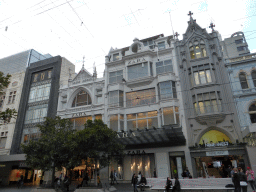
[[83, 61], [190, 14], [211, 26]]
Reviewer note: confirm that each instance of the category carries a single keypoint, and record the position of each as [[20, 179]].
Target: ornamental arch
[[75, 94]]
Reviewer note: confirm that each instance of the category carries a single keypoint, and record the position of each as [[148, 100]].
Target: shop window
[[143, 97], [138, 71], [207, 103], [252, 112], [116, 98], [78, 123], [116, 77], [164, 66], [98, 117], [116, 57], [116, 165], [177, 164], [142, 120], [81, 99], [243, 80], [197, 49], [167, 90], [143, 163], [254, 78], [39, 93], [36, 113], [201, 74], [161, 45], [170, 115]]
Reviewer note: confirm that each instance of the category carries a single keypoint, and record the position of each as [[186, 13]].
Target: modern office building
[[140, 98], [39, 99], [235, 46], [214, 135]]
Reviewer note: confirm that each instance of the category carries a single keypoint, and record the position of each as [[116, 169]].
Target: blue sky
[[77, 28]]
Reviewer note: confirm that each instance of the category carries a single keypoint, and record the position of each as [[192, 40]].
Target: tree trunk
[[53, 174]]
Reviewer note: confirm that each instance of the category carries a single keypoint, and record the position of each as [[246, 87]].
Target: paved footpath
[[119, 188]]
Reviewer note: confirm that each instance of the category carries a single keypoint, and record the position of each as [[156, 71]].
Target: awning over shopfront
[[156, 137]]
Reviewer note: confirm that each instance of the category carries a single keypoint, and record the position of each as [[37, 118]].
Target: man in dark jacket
[[143, 182], [236, 180], [176, 186], [134, 182]]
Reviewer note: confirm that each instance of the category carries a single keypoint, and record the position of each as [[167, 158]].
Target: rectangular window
[[170, 115], [239, 41], [78, 123], [161, 45], [207, 103], [99, 95], [202, 75], [167, 90], [36, 114], [143, 97], [31, 134], [116, 77], [39, 93], [2, 98], [116, 98], [242, 48], [115, 56], [142, 120], [164, 66], [113, 122], [138, 71]]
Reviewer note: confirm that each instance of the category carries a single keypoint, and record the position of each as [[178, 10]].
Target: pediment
[[82, 75]]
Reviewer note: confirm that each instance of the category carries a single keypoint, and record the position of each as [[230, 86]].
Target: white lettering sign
[[137, 60], [78, 114], [220, 144], [217, 153]]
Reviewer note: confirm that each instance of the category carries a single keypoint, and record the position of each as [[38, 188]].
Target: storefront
[[215, 153], [160, 150]]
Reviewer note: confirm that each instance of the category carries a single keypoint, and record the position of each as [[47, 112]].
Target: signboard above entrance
[[217, 153], [220, 144]]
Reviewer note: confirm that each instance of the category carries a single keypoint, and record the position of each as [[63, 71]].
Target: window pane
[[161, 45], [202, 77], [254, 78], [214, 105], [152, 114], [219, 105], [168, 116], [142, 123], [208, 106], [131, 116], [114, 122], [196, 108], [201, 107], [192, 55], [208, 75], [153, 122], [196, 78]]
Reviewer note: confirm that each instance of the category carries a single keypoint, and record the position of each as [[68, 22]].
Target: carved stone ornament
[[212, 46], [183, 53]]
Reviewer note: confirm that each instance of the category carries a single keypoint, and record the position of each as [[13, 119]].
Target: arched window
[[243, 81], [82, 98], [197, 49], [252, 112], [254, 78]]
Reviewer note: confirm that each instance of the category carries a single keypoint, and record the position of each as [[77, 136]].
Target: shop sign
[[2, 165], [137, 60], [217, 153], [126, 134], [219, 144], [78, 114], [137, 152]]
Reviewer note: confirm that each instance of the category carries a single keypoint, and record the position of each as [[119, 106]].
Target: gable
[[82, 75]]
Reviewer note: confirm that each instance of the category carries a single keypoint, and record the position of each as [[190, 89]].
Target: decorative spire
[[212, 26], [83, 61], [94, 70], [190, 14]]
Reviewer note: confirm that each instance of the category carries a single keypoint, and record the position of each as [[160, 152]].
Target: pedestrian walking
[[155, 173], [250, 178], [21, 182], [176, 187], [112, 178], [143, 182], [168, 185], [243, 180], [134, 182], [115, 177], [66, 182], [236, 180]]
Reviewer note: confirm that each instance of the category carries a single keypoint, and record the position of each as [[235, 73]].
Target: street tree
[[54, 149], [96, 141]]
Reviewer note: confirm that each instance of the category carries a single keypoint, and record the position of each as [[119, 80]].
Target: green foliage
[[4, 81], [97, 141], [54, 149]]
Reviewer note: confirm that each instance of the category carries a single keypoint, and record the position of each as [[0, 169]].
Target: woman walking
[[250, 178]]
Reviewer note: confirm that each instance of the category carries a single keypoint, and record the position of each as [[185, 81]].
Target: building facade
[[214, 135], [242, 74], [139, 97], [39, 100]]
